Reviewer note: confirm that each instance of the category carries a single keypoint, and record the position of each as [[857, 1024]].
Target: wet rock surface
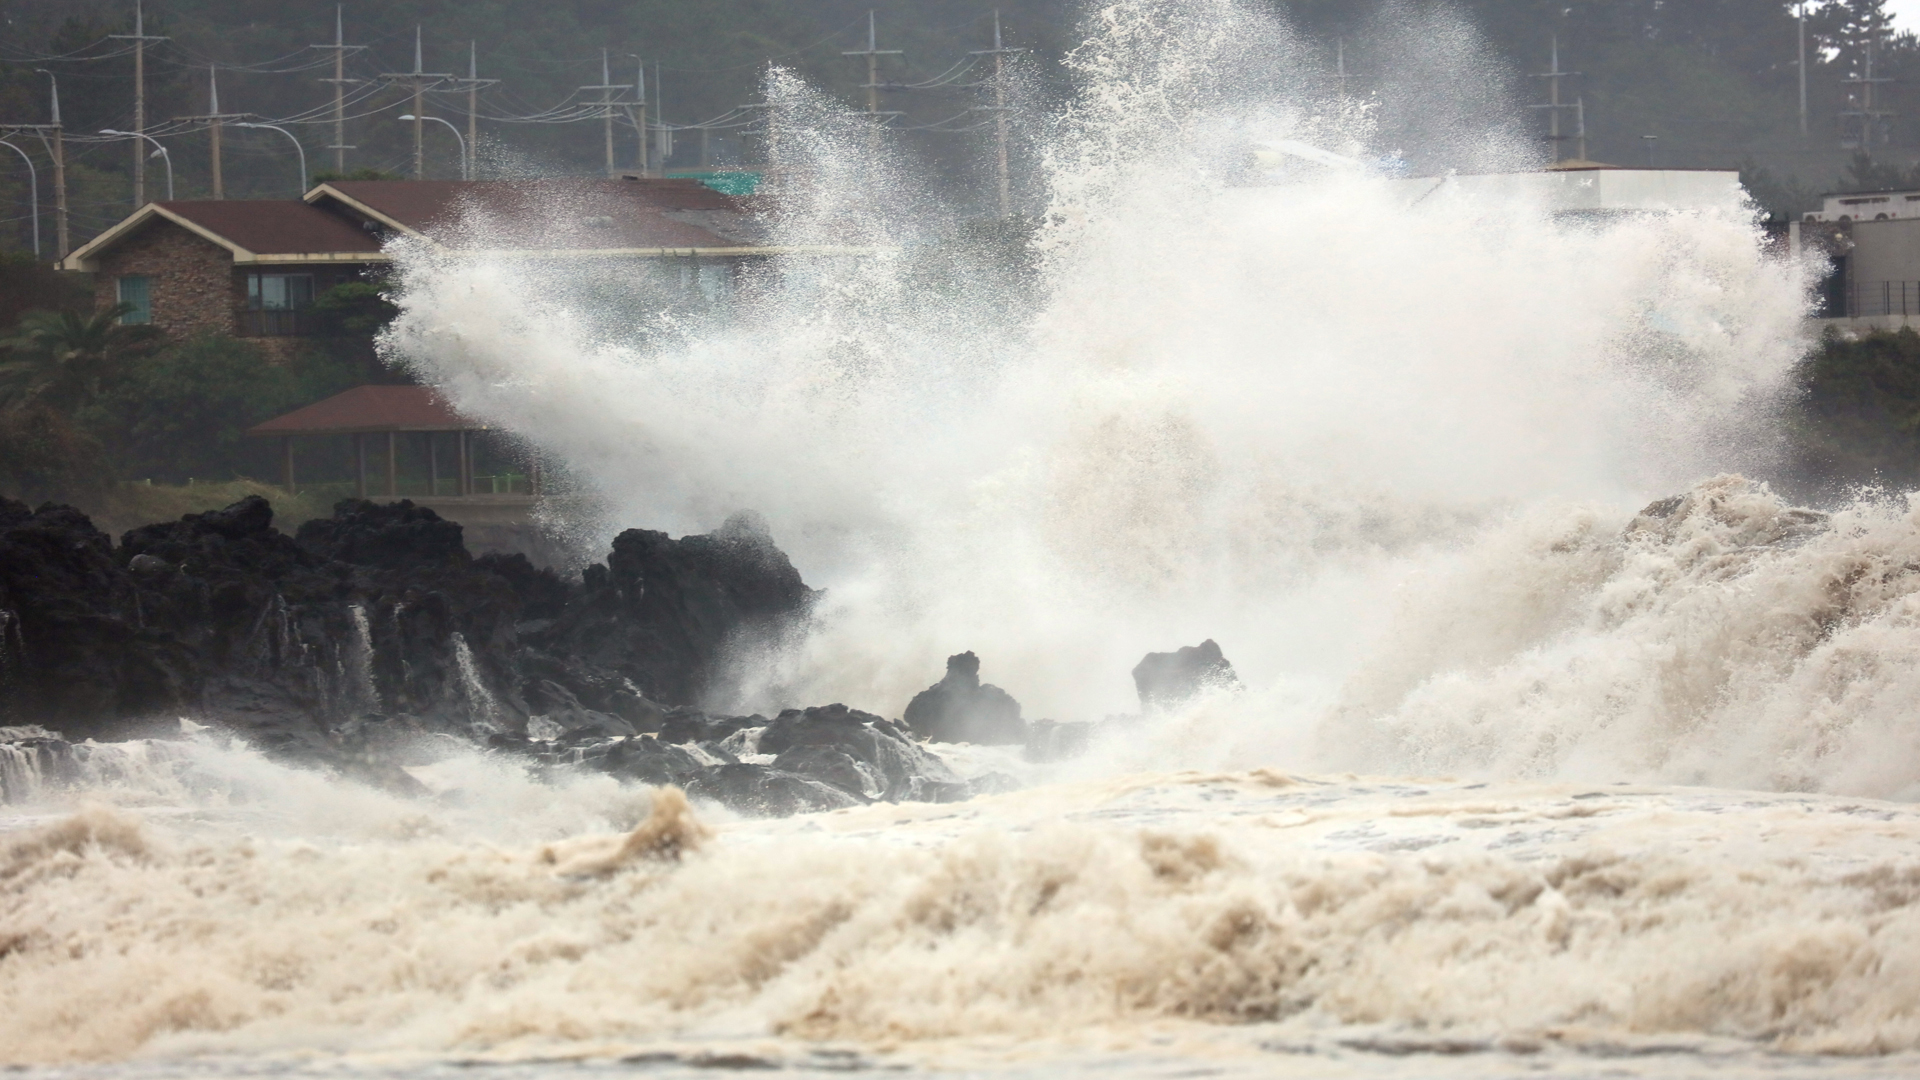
[[960, 708], [1168, 680], [367, 632]]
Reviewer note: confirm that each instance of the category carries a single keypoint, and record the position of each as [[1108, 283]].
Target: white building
[[1601, 189], [1867, 206]]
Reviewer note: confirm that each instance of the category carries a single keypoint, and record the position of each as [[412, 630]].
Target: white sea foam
[[1253, 919]]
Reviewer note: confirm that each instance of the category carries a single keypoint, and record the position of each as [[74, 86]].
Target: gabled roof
[[370, 408], [254, 231], [551, 216]]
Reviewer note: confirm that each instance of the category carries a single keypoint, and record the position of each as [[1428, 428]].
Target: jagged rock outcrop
[[960, 708], [660, 611], [366, 636], [377, 610], [1165, 680]]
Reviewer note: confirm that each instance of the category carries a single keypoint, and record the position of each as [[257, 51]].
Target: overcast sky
[[1906, 13]]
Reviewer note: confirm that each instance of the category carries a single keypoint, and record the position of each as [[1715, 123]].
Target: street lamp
[[296, 145], [33, 192], [159, 152], [456, 134]]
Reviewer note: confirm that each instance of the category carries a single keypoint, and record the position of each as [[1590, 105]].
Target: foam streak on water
[[1260, 921]]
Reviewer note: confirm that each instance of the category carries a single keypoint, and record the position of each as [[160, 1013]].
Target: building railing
[[285, 323], [1866, 299]]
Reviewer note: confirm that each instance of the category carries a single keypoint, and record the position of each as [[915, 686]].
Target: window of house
[[279, 292], [134, 291]]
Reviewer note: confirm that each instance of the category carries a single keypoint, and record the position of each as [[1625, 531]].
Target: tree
[[62, 358], [184, 412], [355, 308]]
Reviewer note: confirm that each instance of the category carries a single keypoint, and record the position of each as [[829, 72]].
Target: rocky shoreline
[[349, 642]]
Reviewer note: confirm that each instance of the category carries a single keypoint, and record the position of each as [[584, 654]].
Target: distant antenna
[[1553, 75]]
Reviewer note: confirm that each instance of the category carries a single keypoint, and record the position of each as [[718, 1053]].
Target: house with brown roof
[[254, 268]]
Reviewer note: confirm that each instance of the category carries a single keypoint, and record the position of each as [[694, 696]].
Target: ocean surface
[[215, 914]]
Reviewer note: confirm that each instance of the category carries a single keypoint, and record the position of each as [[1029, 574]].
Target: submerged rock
[[862, 754], [1166, 680], [960, 708], [767, 792], [1048, 740]]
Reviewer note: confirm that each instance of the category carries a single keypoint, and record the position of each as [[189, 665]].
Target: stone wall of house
[[191, 281]]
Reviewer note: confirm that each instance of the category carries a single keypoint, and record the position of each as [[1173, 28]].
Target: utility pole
[[1580, 124], [999, 108], [640, 94], [1553, 75], [873, 53], [139, 37], [473, 82], [663, 138], [1866, 112], [340, 50], [419, 80], [214, 118], [1341, 75], [59, 152], [1803, 69], [607, 101]]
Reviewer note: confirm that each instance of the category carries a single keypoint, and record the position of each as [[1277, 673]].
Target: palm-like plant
[[61, 358]]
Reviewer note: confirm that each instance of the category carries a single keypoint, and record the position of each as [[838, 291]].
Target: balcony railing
[[1866, 299], [262, 323]]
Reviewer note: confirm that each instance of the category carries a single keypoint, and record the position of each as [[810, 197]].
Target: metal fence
[[1869, 298]]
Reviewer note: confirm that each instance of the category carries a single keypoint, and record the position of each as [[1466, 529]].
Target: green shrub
[[183, 413], [1858, 416]]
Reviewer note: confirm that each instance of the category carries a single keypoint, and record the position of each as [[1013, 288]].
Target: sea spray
[[1227, 409]]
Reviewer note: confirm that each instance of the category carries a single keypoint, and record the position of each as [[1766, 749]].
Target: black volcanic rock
[[79, 654], [1164, 680], [858, 752], [768, 792], [390, 536], [377, 610], [370, 635], [660, 611], [959, 708]]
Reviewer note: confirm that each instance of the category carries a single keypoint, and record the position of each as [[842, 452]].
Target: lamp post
[[456, 134], [301, 150], [33, 192], [159, 152]]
